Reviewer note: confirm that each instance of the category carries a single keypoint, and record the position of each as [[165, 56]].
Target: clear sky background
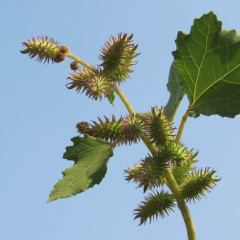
[[39, 114]]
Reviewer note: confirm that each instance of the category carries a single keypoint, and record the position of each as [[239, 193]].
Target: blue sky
[[39, 114]]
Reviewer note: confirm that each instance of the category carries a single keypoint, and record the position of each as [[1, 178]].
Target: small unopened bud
[[64, 49], [74, 65], [82, 127], [59, 57]]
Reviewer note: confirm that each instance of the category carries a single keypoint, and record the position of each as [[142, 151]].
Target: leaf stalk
[[181, 126]]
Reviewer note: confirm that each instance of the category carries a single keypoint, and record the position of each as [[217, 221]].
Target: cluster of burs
[[167, 155], [154, 127]]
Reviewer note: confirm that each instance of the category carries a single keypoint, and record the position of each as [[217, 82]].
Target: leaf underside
[[176, 92], [208, 60], [91, 156]]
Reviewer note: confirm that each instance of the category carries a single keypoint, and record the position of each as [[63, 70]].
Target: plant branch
[[124, 99], [171, 182], [79, 60]]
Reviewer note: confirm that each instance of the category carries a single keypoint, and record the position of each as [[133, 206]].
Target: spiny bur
[[44, 49], [159, 127], [180, 171], [94, 83], [106, 129], [177, 152], [133, 126], [118, 57], [155, 205], [197, 183], [149, 173]]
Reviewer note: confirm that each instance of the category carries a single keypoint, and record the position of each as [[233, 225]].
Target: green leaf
[[91, 156], [208, 60], [111, 97], [176, 92]]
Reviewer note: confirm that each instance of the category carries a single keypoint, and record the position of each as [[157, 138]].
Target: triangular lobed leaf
[[91, 156], [208, 60]]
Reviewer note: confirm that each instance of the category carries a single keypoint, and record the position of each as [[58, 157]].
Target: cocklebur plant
[[206, 67]]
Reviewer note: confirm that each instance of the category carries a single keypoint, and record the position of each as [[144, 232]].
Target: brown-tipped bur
[[107, 129], [74, 65], [43, 48], [64, 49], [83, 127]]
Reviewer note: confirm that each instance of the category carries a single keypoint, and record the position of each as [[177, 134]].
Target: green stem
[[124, 100], [79, 60], [131, 111], [181, 126], [171, 182]]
